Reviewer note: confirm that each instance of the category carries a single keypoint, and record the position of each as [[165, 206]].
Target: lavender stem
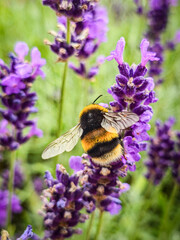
[[98, 230], [61, 100], [90, 226], [10, 187]]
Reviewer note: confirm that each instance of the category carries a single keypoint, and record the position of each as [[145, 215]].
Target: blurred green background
[[144, 205]]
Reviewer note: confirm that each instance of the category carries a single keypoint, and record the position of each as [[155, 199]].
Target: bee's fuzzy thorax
[[92, 107]]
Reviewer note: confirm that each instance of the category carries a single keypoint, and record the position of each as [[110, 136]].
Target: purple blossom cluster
[[164, 153], [85, 38], [133, 91], [90, 187], [17, 99], [15, 203], [62, 205], [157, 18], [100, 185], [73, 9]]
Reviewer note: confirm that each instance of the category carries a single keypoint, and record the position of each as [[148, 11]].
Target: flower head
[[86, 35], [164, 153], [62, 204], [135, 92], [16, 97], [72, 9]]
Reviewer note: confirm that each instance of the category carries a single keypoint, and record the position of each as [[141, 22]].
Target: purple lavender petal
[[3, 127], [114, 208], [36, 59], [24, 70], [75, 162], [34, 131], [145, 55], [117, 54], [21, 49], [13, 84], [28, 234]]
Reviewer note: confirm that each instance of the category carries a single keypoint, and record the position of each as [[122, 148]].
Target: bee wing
[[117, 121], [64, 143]]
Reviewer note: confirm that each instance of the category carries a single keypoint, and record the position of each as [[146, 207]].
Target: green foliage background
[[144, 206]]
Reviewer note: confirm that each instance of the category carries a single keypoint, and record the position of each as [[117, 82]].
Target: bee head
[[91, 119]]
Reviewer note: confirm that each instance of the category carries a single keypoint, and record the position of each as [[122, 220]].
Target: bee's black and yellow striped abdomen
[[104, 147]]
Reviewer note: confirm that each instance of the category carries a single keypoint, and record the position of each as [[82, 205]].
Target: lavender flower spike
[[145, 55], [117, 54], [16, 97]]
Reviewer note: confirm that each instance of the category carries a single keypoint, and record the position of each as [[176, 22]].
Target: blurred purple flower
[[34, 131], [16, 97], [114, 208], [164, 153], [95, 21], [72, 9], [16, 207], [145, 55], [38, 185], [157, 20], [18, 177], [86, 36]]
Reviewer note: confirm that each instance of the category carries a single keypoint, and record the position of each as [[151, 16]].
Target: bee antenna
[[97, 98]]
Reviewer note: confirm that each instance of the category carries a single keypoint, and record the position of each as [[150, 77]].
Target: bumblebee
[[99, 130]]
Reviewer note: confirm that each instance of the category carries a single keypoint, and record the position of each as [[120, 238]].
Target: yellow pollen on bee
[[92, 107]]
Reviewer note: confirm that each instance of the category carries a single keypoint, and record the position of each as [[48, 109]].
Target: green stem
[[10, 188], [61, 99], [62, 90], [99, 225], [90, 226], [68, 36], [165, 220]]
